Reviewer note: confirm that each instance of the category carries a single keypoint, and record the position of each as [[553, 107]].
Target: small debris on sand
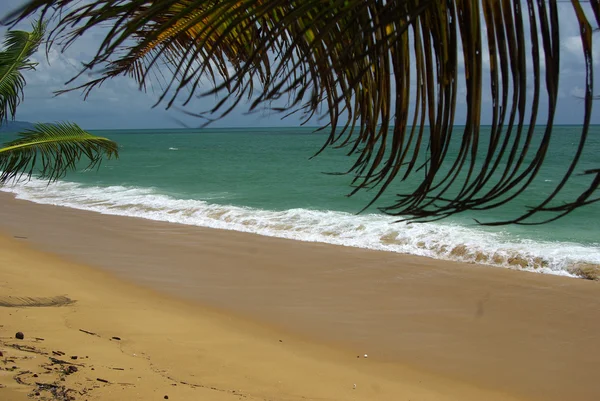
[[19, 336], [89, 332]]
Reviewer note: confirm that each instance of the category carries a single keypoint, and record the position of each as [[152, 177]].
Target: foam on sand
[[371, 231]]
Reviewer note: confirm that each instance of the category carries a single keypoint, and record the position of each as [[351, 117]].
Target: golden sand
[[207, 314]]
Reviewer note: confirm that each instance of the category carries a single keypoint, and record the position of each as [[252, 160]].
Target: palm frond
[[357, 59], [51, 150], [18, 47]]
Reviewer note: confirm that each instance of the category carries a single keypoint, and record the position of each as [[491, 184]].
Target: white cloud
[[119, 103], [577, 92]]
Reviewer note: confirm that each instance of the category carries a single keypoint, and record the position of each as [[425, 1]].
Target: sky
[[119, 104]]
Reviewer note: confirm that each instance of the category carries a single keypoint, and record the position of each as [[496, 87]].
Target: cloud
[[119, 104]]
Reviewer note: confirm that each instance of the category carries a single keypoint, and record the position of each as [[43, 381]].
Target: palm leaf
[[357, 59], [52, 150], [18, 47]]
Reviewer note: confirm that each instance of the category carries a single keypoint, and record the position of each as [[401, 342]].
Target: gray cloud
[[119, 103]]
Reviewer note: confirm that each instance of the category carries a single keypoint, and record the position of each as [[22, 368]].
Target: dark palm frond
[[18, 47], [51, 150], [386, 71]]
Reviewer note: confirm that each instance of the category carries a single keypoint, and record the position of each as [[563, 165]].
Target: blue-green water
[[262, 181]]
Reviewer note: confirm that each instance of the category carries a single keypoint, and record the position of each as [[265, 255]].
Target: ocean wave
[[371, 231]]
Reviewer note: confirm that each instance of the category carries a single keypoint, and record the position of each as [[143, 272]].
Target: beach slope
[[160, 309]]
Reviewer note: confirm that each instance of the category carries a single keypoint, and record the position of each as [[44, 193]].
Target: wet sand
[[432, 329]]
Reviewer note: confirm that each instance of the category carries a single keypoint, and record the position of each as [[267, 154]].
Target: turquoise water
[[261, 180]]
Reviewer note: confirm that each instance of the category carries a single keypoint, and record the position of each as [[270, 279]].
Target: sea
[[265, 181]]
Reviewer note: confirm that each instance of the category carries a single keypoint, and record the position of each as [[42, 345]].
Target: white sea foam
[[437, 240]]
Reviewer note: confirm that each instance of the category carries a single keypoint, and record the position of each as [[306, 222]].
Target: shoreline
[[446, 243], [473, 328]]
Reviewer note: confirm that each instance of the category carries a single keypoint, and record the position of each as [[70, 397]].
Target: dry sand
[[202, 313]]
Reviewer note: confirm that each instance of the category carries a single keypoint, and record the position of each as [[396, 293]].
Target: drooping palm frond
[[360, 60], [18, 47], [51, 150]]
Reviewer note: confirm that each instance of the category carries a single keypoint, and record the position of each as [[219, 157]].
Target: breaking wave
[[371, 231]]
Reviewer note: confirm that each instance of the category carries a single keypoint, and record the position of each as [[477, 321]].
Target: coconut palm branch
[[50, 150], [18, 47], [358, 60]]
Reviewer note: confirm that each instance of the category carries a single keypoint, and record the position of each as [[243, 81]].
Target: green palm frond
[[18, 47], [389, 74], [51, 150]]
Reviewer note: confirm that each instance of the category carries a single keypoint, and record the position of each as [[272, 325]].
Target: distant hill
[[15, 126]]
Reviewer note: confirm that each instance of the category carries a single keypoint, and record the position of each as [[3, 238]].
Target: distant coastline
[[15, 126]]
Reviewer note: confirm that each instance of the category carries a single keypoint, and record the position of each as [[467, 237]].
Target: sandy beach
[[204, 314]]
